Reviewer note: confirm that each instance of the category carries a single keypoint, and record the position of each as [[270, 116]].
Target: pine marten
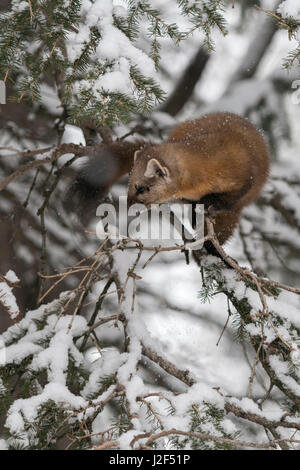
[[219, 160]]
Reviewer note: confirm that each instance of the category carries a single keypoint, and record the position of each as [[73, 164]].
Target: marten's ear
[[154, 168], [136, 155]]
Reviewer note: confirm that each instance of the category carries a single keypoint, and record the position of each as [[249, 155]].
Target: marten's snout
[[138, 194], [141, 189]]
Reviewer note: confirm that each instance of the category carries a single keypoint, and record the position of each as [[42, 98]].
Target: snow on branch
[[49, 346], [7, 298], [105, 74], [287, 16]]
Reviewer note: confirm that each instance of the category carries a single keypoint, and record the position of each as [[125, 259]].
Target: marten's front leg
[[215, 204]]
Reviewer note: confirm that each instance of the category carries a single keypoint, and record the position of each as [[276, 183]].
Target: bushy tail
[[98, 175]]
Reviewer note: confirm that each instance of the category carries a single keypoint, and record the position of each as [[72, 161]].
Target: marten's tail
[[99, 173]]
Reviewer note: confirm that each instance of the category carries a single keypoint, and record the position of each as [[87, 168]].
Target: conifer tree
[[81, 364]]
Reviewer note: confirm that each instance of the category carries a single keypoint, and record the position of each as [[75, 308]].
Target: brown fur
[[220, 160], [105, 166]]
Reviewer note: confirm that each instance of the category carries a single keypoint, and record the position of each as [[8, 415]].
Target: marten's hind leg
[[222, 208]]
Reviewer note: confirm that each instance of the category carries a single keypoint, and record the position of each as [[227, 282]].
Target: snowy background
[[189, 333]]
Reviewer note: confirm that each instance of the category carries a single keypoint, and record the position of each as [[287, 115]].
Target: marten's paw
[[212, 211], [215, 204]]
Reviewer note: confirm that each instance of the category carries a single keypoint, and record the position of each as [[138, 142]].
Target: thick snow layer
[[7, 297], [290, 8], [114, 47], [11, 276], [18, 6], [28, 408], [3, 445]]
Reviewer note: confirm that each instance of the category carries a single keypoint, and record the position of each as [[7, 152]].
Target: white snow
[[114, 47], [7, 297], [3, 445], [11, 276], [289, 8], [28, 408]]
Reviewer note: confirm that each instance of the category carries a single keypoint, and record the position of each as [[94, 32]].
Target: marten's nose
[[140, 189]]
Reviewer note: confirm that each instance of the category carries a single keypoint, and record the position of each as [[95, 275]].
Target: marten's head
[[151, 180]]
